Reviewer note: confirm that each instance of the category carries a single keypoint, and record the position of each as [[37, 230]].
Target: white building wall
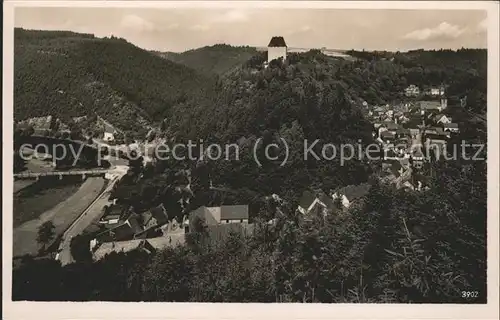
[[345, 202], [108, 136], [275, 53]]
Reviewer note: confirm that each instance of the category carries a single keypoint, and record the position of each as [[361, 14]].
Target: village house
[[377, 125], [149, 246], [412, 91], [437, 91], [401, 146], [400, 117], [390, 154], [216, 215], [441, 118], [276, 49], [451, 127], [110, 219], [150, 230], [151, 221], [417, 158], [430, 106], [109, 133], [123, 231], [134, 226], [350, 194], [435, 133], [389, 126], [40, 125], [112, 214], [387, 137], [403, 133], [311, 202]]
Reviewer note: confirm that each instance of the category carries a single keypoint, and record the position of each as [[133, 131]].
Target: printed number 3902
[[470, 294]]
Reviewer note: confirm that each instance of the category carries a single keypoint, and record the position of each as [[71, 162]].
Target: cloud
[[136, 23], [172, 26], [483, 25], [442, 31], [199, 27], [301, 30], [231, 16]]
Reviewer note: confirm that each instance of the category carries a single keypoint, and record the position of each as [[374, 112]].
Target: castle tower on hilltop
[[276, 49]]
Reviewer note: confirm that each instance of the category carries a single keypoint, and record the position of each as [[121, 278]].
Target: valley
[[268, 225]]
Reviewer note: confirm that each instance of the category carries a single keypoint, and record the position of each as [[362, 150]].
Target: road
[[93, 211]]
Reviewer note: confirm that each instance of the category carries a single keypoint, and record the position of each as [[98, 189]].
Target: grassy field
[[21, 184], [62, 215], [31, 202]]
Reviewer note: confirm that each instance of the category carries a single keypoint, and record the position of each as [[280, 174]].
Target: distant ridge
[[217, 59]]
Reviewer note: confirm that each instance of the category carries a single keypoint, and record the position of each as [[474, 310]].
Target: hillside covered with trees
[[463, 72], [66, 74]]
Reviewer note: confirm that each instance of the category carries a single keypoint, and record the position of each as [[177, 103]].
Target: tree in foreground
[[45, 233]]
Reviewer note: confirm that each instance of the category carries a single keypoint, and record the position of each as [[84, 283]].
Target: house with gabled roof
[[432, 106], [351, 193], [123, 231], [451, 127], [441, 118], [276, 49], [315, 202], [217, 215]]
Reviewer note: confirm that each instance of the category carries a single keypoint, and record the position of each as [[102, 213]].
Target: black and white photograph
[[252, 153]]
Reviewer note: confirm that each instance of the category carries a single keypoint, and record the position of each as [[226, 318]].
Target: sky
[[181, 29]]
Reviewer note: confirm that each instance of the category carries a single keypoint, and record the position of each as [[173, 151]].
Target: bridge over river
[[83, 173]]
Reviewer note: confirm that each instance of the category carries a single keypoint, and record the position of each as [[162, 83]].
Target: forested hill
[[302, 99], [464, 71], [216, 59], [68, 74]]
